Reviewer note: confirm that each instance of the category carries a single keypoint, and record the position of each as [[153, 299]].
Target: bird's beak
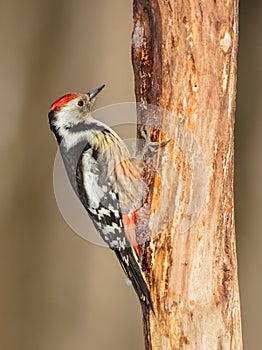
[[92, 94]]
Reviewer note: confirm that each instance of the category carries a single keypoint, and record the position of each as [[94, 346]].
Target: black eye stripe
[[80, 103]]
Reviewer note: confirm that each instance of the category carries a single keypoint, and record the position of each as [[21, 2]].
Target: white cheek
[[64, 119], [67, 116]]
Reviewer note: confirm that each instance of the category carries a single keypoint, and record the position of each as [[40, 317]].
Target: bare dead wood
[[184, 59]]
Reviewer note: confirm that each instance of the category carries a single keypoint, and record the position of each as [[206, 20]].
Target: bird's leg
[[150, 146]]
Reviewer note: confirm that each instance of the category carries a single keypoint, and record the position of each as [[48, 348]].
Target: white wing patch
[[91, 180]]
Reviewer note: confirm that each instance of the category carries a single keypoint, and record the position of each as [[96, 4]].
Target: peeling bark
[[184, 59]]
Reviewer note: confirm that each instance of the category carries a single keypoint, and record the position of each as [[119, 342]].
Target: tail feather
[[133, 271]]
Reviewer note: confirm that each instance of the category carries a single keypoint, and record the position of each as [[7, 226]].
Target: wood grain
[[184, 58]]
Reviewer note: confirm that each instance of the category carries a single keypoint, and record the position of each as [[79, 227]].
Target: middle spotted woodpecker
[[107, 180]]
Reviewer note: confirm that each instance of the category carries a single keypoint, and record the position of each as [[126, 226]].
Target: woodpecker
[[106, 179]]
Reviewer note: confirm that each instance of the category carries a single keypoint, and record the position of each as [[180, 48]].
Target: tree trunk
[[184, 59]]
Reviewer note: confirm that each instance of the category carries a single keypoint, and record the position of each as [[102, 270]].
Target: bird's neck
[[81, 132]]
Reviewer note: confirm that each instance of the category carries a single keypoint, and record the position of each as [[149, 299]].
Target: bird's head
[[70, 110]]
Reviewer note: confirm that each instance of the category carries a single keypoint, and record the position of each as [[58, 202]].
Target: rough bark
[[184, 59]]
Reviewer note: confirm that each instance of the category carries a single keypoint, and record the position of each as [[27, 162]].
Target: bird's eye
[[80, 103]]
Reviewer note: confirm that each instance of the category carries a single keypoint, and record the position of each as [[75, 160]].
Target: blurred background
[[57, 291]]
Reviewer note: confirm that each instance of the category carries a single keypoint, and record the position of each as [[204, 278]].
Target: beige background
[[58, 292]]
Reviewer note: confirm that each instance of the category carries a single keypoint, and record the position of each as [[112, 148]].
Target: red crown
[[62, 101]]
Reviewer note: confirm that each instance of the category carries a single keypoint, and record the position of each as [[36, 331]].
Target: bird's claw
[[149, 145]]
